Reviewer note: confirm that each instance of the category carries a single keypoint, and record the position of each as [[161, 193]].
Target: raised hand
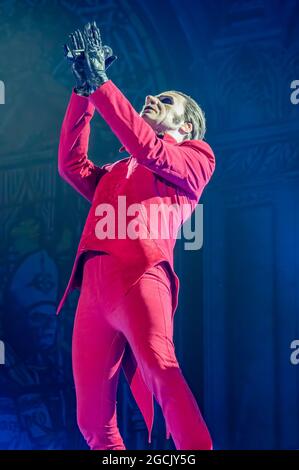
[[98, 57], [76, 56], [89, 58]]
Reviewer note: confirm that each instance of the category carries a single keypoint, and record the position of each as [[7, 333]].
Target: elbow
[[62, 163], [61, 170], [62, 175]]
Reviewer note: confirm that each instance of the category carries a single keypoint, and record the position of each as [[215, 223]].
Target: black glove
[[95, 56], [81, 65], [76, 57]]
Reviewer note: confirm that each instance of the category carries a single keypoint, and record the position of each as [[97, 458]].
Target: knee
[[161, 366]]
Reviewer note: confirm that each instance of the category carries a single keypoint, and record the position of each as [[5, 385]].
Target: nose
[[150, 100]]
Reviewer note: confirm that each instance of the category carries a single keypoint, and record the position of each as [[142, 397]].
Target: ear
[[186, 128]]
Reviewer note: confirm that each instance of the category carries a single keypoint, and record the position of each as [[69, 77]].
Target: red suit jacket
[[159, 170]]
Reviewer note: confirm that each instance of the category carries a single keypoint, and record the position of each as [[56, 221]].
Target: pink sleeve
[[73, 163], [188, 165]]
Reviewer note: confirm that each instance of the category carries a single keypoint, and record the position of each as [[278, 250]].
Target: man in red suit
[[124, 265]]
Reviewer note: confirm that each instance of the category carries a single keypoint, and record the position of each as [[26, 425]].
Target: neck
[[174, 133]]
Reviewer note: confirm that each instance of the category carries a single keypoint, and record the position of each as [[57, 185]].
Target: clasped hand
[[89, 58]]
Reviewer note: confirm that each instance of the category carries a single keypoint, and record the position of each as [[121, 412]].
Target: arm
[[188, 165], [73, 163]]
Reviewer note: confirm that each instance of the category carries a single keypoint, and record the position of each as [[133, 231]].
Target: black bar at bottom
[[140, 458]]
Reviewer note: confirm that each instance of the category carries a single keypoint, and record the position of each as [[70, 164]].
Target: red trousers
[[105, 320]]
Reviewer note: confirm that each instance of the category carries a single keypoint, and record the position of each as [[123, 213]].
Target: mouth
[[148, 109]]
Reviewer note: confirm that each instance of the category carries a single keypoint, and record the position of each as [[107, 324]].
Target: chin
[[151, 122]]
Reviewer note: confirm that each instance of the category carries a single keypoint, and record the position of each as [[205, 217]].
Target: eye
[[166, 100]]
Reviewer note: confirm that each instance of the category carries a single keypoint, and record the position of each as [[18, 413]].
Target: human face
[[164, 112]]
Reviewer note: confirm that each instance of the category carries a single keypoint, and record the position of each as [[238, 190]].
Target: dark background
[[239, 295]]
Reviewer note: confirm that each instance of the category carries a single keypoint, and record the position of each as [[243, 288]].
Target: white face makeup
[[164, 112]]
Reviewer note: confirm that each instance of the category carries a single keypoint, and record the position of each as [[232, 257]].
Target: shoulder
[[197, 144], [200, 146]]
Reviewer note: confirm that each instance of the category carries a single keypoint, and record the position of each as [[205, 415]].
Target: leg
[[145, 319], [97, 351]]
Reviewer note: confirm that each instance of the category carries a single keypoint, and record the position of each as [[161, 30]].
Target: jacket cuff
[[82, 102], [104, 87]]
